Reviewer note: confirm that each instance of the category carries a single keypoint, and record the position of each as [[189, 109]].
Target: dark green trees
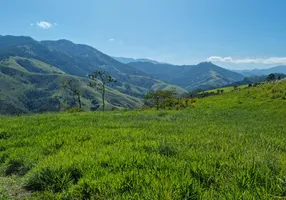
[[167, 99], [103, 79], [163, 99], [270, 77]]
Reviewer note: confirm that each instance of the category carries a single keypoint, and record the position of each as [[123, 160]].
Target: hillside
[[23, 58], [190, 77], [29, 86], [226, 146], [73, 59]]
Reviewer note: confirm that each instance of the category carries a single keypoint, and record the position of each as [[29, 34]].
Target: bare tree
[[73, 88], [103, 80]]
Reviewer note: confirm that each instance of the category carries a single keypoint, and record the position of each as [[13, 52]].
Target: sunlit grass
[[230, 146]]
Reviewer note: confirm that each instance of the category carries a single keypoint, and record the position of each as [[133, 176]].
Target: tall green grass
[[230, 146]]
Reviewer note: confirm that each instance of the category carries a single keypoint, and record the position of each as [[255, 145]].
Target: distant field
[[229, 146]]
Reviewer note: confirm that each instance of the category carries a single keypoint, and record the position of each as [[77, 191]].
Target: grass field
[[226, 89], [229, 146]]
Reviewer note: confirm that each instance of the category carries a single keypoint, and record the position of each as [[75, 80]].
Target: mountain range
[[190, 77], [32, 72], [262, 72], [129, 60]]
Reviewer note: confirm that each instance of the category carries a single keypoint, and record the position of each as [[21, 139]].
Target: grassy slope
[[18, 73], [230, 146], [12, 62], [227, 89], [23, 91]]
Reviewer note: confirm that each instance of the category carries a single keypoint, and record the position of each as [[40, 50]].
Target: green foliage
[[228, 146], [271, 77], [160, 99], [166, 100]]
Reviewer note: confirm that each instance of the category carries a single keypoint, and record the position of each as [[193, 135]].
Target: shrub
[[55, 180], [86, 189], [4, 135], [167, 149], [16, 167]]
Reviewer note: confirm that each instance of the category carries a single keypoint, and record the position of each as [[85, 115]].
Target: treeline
[[164, 99]]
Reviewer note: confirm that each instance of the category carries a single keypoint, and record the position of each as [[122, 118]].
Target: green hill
[[32, 67], [229, 146], [28, 86]]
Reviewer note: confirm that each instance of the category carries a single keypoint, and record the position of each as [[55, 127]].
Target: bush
[[4, 135], [86, 189], [16, 167], [55, 180]]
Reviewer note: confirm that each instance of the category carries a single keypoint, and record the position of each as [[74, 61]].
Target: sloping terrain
[[204, 75], [29, 65], [229, 146], [29, 85]]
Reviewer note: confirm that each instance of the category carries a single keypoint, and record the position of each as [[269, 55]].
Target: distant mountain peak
[[260, 72], [130, 60], [65, 41]]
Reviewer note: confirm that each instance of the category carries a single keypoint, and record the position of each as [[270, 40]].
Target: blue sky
[[232, 33]]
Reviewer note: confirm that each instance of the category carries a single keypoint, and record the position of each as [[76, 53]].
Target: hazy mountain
[[129, 60], [204, 75], [256, 79], [259, 72]]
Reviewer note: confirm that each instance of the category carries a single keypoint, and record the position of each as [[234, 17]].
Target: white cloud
[[31, 24], [266, 61], [44, 25], [111, 40]]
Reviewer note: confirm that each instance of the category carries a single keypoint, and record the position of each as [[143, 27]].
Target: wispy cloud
[[44, 25], [266, 61], [111, 40], [31, 24]]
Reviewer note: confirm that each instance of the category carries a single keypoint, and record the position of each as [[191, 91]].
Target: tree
[[103, 80], [73, 88], [160, 98], [270, 77]]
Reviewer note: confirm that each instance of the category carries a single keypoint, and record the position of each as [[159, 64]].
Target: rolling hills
[[190, 77], [32, 67], [29, 85]]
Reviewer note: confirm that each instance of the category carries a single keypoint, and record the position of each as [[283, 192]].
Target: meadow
[[228, 146]]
